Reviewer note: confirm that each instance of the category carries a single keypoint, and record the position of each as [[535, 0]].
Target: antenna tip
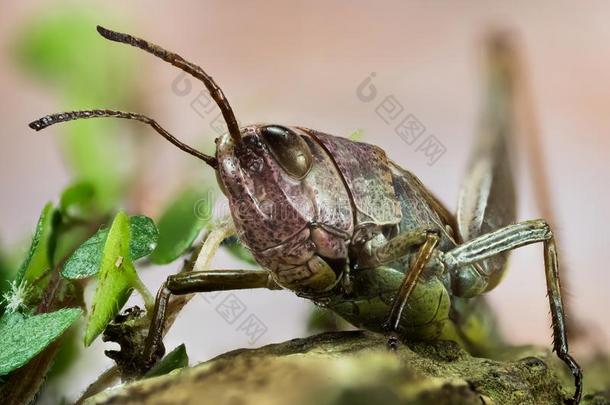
[[37, 125], [108, 34]]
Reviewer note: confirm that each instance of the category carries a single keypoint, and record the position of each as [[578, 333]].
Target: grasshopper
[[338, 222]]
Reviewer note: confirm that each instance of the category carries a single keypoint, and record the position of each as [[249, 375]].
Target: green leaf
[[86, 260], [77, 200], [177, 358], [237, 250], [143, 236], [38, 260], [356, 135], [116, 281], [180, 224], [22, 337]]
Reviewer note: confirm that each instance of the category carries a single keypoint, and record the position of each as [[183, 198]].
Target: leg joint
[[467, 282], [504, 239]]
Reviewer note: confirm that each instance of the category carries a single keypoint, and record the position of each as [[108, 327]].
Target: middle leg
[[406, 288]]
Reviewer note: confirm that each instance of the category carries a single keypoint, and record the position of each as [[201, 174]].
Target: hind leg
[[468, 279]]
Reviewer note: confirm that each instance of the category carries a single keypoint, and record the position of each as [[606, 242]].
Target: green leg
[[395, 248], [406, 288]]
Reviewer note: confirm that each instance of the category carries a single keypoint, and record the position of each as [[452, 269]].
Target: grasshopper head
[[260, 173]]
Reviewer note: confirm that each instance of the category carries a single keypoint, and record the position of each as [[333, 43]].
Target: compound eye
[[289, 150]]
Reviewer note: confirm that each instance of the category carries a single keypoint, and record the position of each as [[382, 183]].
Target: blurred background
[[300, 63]]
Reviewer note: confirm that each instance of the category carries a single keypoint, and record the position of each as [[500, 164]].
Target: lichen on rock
[[353, 368]]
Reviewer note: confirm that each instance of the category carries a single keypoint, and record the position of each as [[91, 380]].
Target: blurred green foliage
[[78, 200], [357, 135], [86, 71], [236, 249], [181, 223]]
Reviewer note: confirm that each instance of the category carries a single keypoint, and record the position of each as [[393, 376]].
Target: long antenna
[[49, 120], [179, 62]]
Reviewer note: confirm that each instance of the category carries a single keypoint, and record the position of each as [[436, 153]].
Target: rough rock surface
[[354, 368]]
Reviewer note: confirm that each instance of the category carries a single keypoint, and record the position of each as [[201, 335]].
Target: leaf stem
[[210, 246], [149, 299]]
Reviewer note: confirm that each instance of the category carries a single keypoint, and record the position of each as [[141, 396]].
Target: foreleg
[[193, 282]]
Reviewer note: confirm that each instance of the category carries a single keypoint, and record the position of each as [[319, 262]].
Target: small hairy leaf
[[86, 260], [117, 278], [177, 358], [37, 260], [22, 336], [142, 237], [180, 224]]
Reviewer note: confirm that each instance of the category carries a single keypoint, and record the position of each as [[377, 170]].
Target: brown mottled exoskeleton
[[337, 222]]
